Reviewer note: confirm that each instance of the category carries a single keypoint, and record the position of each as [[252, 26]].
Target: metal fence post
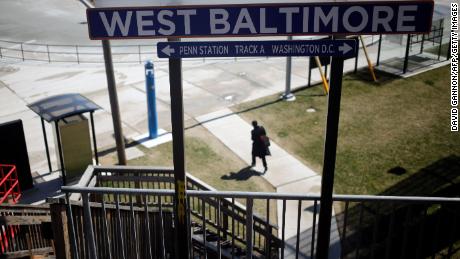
[[22, 51], [441, 27], [287, 95], [249, 230], [88, 224], [78, 57], [71, 224], [356, 61], [423, 42], [406, 56], [46, 145], [449, 50], [139, 51], [93, 131], [48, 51], [379, 49]]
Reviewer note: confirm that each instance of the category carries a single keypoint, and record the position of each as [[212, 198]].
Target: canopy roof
[[61, 106]]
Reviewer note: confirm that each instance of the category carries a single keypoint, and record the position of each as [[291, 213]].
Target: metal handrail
[[258, 195], [162, 179], [363, 217]]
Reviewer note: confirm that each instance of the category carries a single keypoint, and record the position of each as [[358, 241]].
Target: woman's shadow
[[242, 175]]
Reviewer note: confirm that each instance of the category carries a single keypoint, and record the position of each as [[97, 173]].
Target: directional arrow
[[168, 50], [345, 48]]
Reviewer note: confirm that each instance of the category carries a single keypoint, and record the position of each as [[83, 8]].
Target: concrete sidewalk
[[285, 173]]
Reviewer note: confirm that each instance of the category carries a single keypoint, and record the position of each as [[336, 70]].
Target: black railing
[[232, 213], [362, 226]]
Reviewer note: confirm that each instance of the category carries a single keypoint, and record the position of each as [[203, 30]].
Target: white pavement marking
[[163, 137]]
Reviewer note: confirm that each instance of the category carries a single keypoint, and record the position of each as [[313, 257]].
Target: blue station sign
[[329, 18], [342, 48]]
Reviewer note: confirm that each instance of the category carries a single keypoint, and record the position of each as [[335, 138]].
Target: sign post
[[288, 96], [330, 148], [181, 232]]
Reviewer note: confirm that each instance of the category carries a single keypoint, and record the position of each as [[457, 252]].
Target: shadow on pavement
[[242, 175], [41, 191]]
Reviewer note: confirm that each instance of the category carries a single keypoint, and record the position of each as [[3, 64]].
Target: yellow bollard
[[323, 77], [369, 63]]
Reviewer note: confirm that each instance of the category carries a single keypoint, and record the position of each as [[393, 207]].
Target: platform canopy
[[58, 107]]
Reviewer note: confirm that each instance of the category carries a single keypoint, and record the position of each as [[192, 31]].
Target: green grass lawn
[[394, 123], [206, 158]]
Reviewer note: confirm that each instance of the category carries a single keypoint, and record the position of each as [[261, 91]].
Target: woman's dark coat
[[258, 146]]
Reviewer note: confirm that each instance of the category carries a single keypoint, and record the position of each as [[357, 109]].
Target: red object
[[9, 184], [9, 187]]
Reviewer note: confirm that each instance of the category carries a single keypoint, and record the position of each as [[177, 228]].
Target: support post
[[111, 85], [177, 121], [423, 42], [48, 51], [406, 56], [330, 148], [61, 159], [356, 61], [78, 55], [46, 145], [60, 230], [309, 72], [288, 96], [93, 131], [441, 27], [448, 49], [22, 52], [88, 225], [151, 99], [379, 49], [139, 50], [249, 225]]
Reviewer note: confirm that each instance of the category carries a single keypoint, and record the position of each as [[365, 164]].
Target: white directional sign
[[342, 48]]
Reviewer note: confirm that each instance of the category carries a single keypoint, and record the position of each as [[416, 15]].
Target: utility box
[[76, 145]]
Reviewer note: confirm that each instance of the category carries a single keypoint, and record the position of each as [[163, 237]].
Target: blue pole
[[151, 99]]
